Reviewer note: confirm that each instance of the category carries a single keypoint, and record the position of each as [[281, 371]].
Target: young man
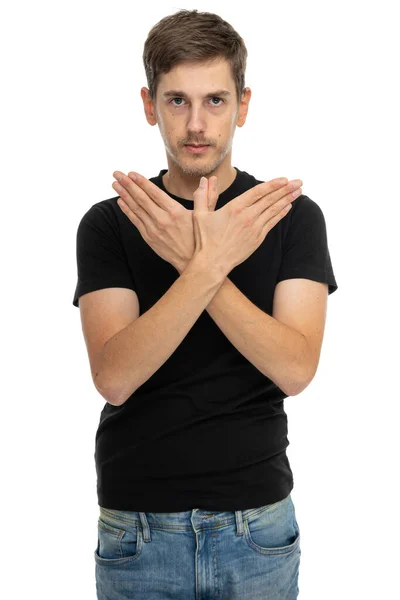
[[202, 309]]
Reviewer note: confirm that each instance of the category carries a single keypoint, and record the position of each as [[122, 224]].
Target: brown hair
[[189, 35]]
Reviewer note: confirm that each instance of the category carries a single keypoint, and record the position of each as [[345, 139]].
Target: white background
[[324, 109]]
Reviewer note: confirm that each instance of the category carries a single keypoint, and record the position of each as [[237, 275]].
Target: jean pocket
[[117, 544], [275, 530]]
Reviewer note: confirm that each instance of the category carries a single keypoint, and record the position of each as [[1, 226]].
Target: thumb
[[201, 196]]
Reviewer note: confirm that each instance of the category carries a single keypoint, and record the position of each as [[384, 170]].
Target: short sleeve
[[101, 259], [305, 252]]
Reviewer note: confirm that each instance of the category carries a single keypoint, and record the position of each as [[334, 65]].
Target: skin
[[197, 119]]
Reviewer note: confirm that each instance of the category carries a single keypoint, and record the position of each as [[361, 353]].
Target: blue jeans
[[198, 554]]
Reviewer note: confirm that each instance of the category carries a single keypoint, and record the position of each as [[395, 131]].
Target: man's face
[[189, 110]]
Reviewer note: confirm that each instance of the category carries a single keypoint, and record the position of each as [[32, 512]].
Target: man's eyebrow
[[182, 94]]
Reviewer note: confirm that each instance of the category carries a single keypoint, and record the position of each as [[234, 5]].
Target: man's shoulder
[[106, 205], [102, 210]]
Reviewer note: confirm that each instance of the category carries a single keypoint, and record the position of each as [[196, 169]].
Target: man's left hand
[[164, 224]]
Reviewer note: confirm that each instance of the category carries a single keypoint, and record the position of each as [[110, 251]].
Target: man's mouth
[[197, 148]]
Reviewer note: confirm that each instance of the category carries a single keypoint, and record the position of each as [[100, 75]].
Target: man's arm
[[288, 355], [136, 352], [285, 349]]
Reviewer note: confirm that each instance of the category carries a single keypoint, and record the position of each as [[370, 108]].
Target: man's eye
[[213, 98]]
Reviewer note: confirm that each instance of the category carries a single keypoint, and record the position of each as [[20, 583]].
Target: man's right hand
[[228, 236]]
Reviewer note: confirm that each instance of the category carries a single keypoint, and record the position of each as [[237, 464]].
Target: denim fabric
[[199, 554]]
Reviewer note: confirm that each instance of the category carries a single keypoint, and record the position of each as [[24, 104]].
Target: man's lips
[[197, 149]]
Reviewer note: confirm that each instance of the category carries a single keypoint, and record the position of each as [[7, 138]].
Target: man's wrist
[[202, 262], [181, 266]]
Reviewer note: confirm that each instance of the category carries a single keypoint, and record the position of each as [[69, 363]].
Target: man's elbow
[[302, 380], [107, 393], [116, 398], [297, 388]]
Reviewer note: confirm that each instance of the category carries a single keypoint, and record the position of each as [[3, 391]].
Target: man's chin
[[188, 168], [200, 168]]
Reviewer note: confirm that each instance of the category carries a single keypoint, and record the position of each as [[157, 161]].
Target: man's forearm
[[277, 350], [132, 355]]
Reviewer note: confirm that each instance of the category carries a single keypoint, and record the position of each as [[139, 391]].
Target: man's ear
[[149, 107], [243, 107]]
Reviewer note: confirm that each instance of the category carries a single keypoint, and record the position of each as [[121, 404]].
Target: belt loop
[[145, 527], [239, 522]]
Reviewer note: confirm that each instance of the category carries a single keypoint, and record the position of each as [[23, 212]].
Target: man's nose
[[196, 121]]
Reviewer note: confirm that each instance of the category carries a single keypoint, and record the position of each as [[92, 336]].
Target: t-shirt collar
[[231, 192]]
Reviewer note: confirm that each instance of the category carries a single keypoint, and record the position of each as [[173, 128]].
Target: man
[[203, 307]]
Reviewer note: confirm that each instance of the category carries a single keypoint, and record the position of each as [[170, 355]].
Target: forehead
[[195, 77]]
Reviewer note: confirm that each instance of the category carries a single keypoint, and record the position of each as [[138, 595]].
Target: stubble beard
[[197, 165]]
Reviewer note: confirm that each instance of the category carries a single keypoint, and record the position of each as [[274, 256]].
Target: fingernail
[[203, 182], [117, 176]]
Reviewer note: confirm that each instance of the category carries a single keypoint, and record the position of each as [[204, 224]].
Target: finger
[[132, 209], [261, 190], [283, 199], [212, 192], [289, 190], [201, 196], [272, 190], [137, 199], [272, 203], [273, 213], [133, 218], [275, 219], [159, 197]]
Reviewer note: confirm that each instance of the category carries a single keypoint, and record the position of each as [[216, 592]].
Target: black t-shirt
[[207, 430]]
